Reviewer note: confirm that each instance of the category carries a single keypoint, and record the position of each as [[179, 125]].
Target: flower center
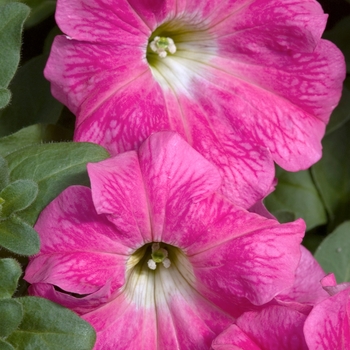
[[161, 45], [175, 66], [159, 255], [155, 272]]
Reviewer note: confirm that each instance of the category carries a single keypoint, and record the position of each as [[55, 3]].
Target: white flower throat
[[177, 52], [155, 272]]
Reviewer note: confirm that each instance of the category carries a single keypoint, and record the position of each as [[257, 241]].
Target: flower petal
[[86, 303], [70, 223], [328, 325], [118, 191], [233, 338], [275, 327], [78, 272], [282, 102], [307, 286], [174, 175], [87, 81], [251, 257], [79, 250], [121, 325], [274, 24], [100, 20]]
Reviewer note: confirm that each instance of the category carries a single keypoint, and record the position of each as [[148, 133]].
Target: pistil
[[162, 45], [159, 255]]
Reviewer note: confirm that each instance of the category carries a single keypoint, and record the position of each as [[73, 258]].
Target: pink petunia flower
[[227, 75], [328, 325], [153, 257]]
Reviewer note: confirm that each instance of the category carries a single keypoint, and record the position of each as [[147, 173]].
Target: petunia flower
[[233, 77], [153, 256]]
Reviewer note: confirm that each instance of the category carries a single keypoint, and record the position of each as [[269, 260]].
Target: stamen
[[159, 255], [161, 45], [166, 263], [151, 264]]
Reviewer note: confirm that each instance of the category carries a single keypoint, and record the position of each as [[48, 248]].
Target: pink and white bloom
[[328, 325], [233, 77], [153, 256]]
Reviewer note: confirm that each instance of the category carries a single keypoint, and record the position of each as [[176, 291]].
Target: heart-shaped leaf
[[17, 196], [11, 312], [49, 326], [18, 237], [334, 253], [10, 271], [12, 17], [53, 167]]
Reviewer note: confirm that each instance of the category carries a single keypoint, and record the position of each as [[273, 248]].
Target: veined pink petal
[[175, 175], [280, 25], [233, 338], [79, 250], [282, 102], [275, 249], [307, 286], [274, 327], [328, 325], [78, 272], [121, 325], [86, 304], [93, 73], [118, 191], [67, 225], [100, 21]]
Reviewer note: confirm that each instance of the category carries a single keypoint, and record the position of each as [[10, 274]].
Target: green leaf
[[53, 167], [34, 134], [313, 238], [333, 253], [5, 345], [11, 316], [10, 271], [332, 173], [18, 237], [32, 102], [5, 97], [296, 193], [284, 216], [340, 35], [41, 9], [50, 326], [12, 16], [4, 173], [341, 114], [18, 195]]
